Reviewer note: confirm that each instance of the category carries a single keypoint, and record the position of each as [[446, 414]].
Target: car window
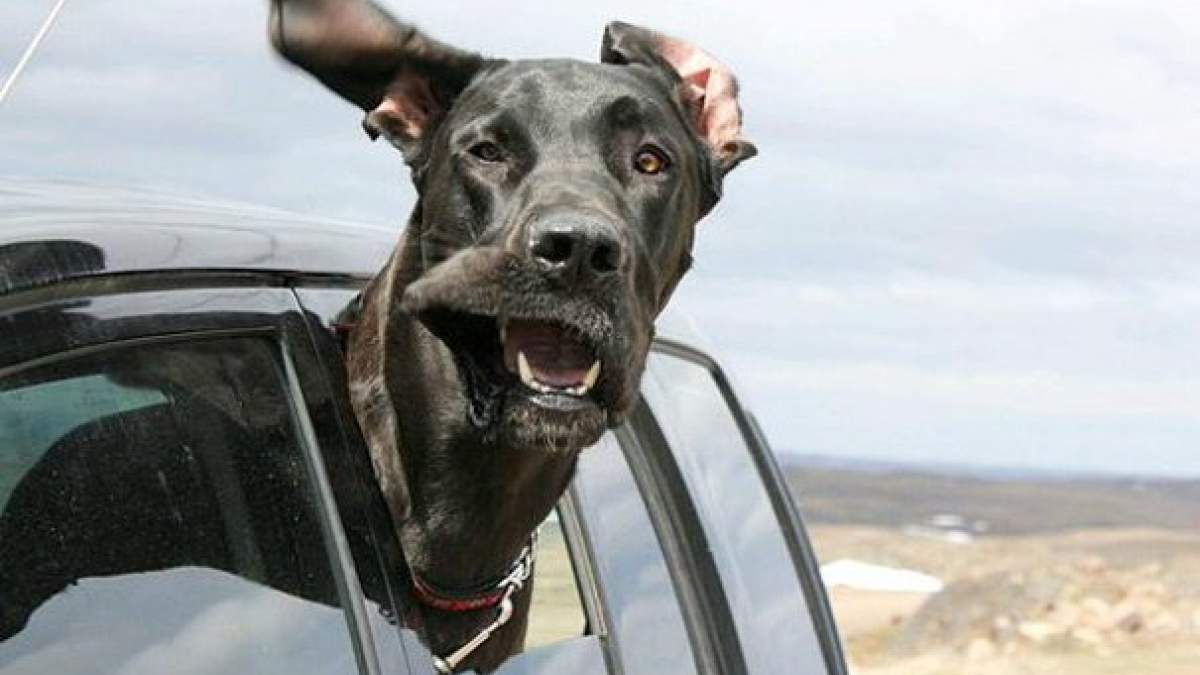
[[32, 418], [757, 571], [157, 516], [560, 638], [604, 600], [638, 607], [556, 610]]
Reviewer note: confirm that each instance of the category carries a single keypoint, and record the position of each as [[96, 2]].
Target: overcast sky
[[972, 235]]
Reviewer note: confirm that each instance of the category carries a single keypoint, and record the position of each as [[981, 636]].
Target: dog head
[[557, 201]]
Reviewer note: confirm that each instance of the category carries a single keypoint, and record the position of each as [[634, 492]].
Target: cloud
[[1045, 325], [1053, 372], [1037, 392], [963, 197]]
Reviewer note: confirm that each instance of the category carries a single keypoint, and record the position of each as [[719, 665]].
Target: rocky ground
[[1085, 601], [1041, 576]]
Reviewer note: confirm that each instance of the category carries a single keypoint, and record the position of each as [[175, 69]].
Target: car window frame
[[116, 313], [683, 544], [783, 505], [348, 459]]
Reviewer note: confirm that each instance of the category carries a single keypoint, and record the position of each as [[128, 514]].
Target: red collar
[[455, 600], [481, 596], [345, 321], [341, 331]]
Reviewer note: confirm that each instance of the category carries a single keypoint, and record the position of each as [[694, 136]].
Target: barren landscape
[[1041, 575]]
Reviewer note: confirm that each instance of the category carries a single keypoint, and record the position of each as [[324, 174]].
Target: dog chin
[[529, 426]]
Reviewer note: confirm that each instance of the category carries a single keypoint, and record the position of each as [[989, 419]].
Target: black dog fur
[[555, 194]]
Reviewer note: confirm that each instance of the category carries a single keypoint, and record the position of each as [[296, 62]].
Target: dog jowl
[[557, 201]]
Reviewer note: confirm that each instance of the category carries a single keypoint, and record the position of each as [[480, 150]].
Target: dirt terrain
[[1080, 602], [1063, 577], [1041, 576]]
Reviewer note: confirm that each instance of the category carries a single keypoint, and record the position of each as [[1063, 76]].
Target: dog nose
[[577, 249]]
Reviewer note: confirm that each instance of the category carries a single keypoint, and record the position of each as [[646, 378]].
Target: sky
[[972, 235]]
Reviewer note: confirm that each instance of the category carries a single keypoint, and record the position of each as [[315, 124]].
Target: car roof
[[56, 231]]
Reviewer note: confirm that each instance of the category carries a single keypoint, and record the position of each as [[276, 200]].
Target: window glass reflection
[[157, 517]]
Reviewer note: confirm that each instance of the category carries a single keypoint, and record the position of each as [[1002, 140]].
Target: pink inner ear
[[405, 110], [712, 87]]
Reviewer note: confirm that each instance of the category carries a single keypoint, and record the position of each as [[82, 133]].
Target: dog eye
[[650, 161], [487, 151]]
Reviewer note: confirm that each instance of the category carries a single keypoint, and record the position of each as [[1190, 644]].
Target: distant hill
[[833, 492]]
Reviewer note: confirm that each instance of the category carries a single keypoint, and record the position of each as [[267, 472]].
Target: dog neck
[[464, 504], [474, 504]]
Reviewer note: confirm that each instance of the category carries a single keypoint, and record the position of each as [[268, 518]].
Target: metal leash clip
[[514, 582]]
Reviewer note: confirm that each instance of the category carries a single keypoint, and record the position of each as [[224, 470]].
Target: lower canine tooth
[[530, 381], [525, 371], [593, 374]]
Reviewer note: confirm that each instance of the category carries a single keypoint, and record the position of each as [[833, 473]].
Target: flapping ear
[[404, 80], [706, 86]]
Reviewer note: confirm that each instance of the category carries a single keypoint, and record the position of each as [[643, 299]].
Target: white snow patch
[[948, 536], [867, 577]]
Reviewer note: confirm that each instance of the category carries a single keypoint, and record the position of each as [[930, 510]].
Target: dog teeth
[[589, 380], [526, 372], [503, 321], [527, 378]]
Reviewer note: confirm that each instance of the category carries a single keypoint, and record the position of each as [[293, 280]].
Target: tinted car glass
[[756, 567], [637, 601], [158, 517], [556, 612]]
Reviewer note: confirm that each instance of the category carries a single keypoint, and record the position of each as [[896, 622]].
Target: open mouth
[[537, 364], [547, 358], [543, 369]]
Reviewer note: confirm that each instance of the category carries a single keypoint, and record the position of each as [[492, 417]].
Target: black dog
[[557, 202]]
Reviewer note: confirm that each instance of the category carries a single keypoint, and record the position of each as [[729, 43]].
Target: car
[[183, 487]]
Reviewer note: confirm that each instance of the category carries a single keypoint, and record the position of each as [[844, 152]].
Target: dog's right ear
[[706, 86], [403, 80]]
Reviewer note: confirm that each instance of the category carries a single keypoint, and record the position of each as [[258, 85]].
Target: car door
[[168, 459]]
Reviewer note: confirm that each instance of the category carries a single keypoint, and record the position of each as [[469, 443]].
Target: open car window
[[603, 546]]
